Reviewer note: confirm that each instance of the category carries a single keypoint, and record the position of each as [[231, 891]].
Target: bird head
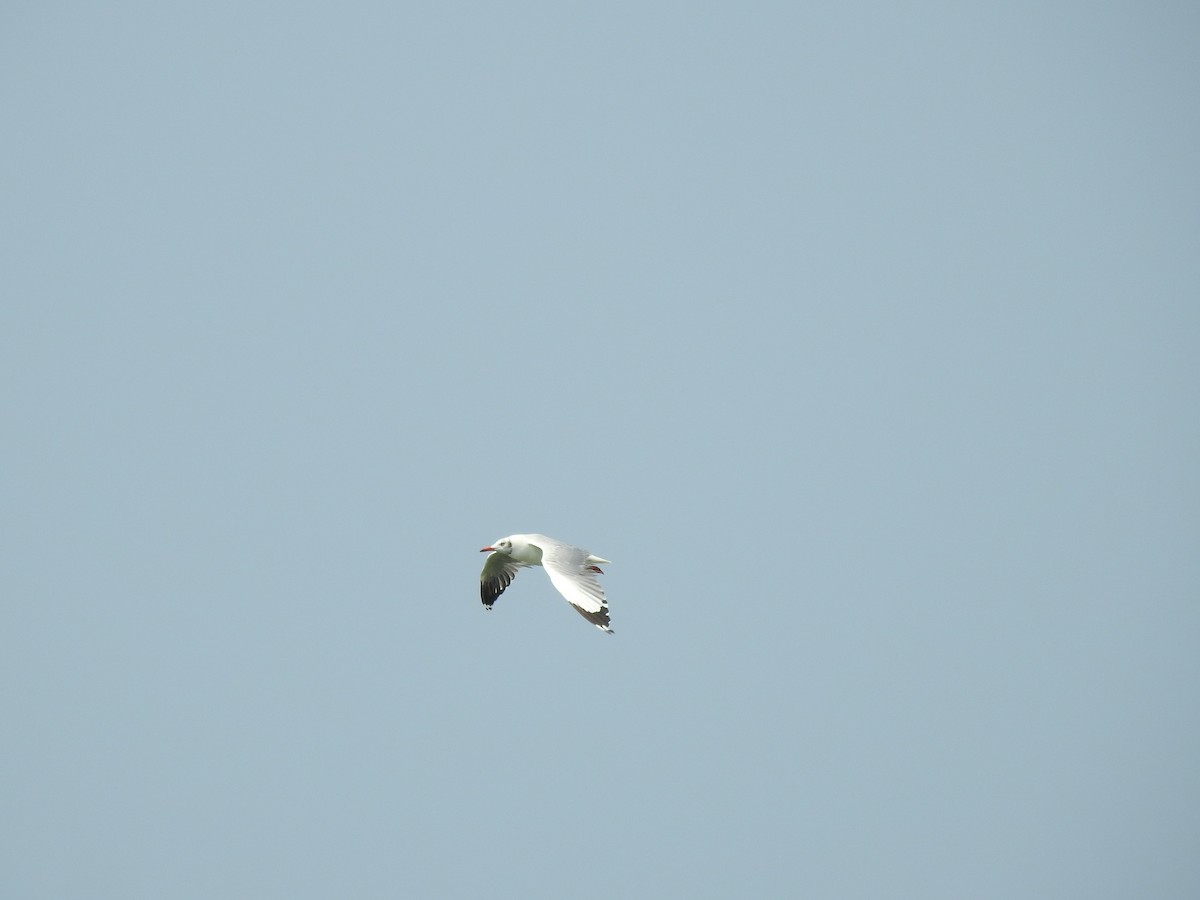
[[504, 545]]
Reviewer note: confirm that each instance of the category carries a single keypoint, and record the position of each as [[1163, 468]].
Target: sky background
[[861, 337]]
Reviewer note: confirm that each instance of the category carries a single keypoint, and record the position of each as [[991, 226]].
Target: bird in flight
[[572, 571]]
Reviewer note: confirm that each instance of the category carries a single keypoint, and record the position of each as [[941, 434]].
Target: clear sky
[[861, 337]]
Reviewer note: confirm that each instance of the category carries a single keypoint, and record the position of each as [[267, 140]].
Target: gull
[[572, 571]]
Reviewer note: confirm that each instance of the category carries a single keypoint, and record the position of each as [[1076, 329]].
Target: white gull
[[572, 571]]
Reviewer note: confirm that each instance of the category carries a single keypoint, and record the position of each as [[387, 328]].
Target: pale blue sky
[[862, 338]]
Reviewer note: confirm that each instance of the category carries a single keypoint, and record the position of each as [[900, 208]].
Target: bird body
[[572, 571]]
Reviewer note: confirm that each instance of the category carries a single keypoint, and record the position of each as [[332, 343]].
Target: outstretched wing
[[575, 579], [498, 573]]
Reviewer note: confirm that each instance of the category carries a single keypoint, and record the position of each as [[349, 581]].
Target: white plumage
[[572, 571]]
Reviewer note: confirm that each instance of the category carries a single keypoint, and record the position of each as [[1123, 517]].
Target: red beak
[[486, 549]]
